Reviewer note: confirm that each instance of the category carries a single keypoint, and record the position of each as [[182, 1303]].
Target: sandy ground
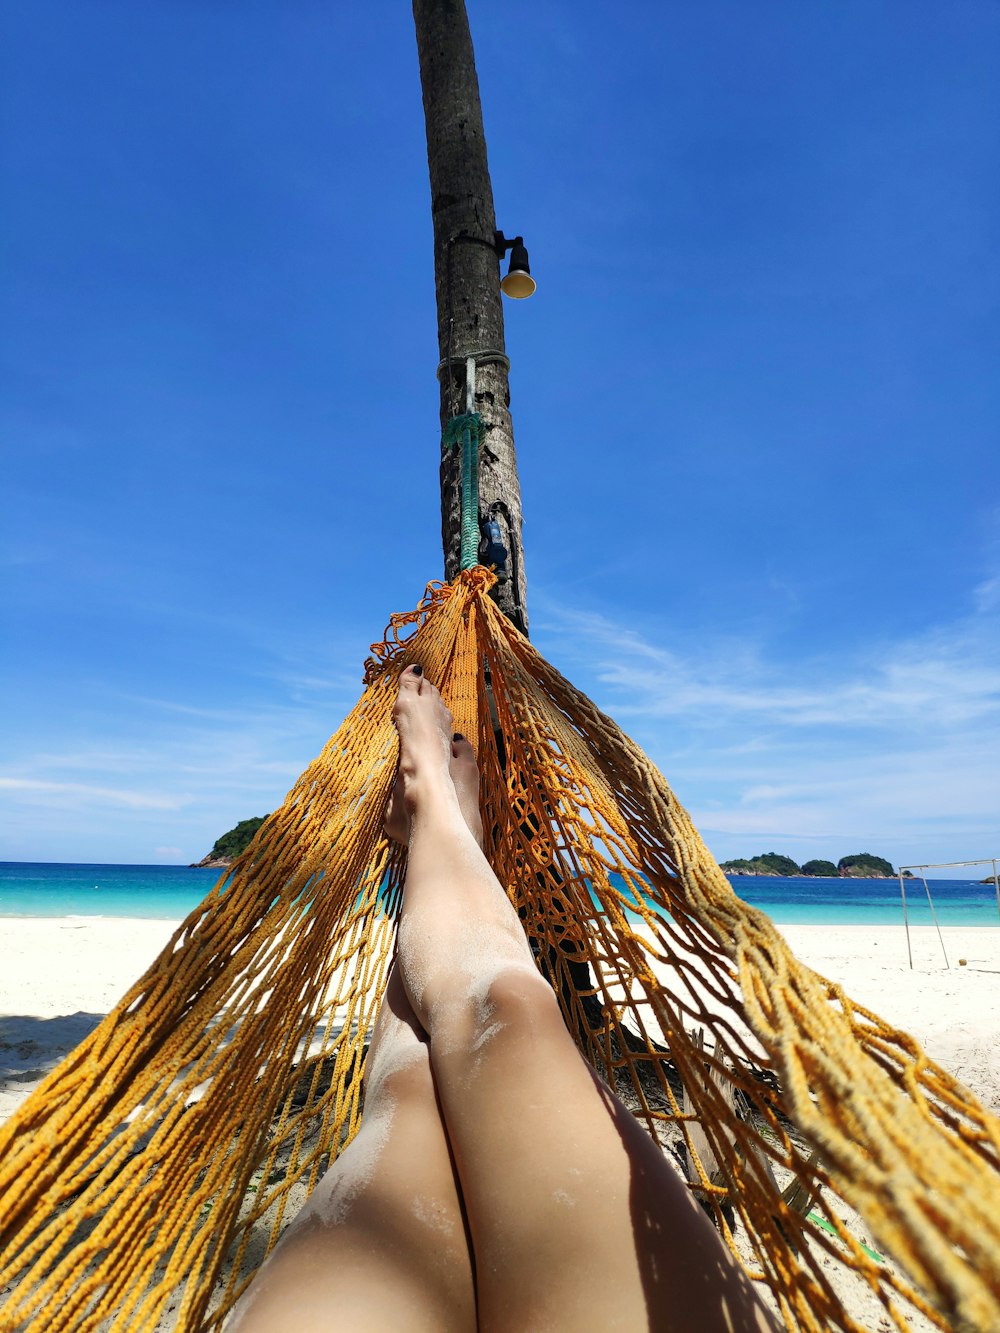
[[60, 976]]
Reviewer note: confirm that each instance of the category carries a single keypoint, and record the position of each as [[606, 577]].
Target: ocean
[[170, 892], [44, 888]]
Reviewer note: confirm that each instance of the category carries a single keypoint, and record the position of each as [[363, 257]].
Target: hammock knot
[[477, 579], [390, 652], [457, 426]]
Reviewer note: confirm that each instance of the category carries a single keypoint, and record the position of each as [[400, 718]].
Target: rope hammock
[[151, 1172]]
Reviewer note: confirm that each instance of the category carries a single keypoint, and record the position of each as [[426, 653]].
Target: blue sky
[[755, 402]]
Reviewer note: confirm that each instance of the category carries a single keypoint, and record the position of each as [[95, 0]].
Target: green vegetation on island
[[768, 863], [237, 840], [821, 869], [233, 843], [863, 865]]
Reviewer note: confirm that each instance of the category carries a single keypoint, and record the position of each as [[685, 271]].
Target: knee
[[516, 1000], [506, 1024]]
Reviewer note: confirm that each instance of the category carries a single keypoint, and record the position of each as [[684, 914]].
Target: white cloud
[[933, 681], [86, 793], [168, 775], [987, 595], [892, 747]]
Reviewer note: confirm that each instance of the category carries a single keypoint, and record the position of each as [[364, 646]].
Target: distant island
[[861, 866], [230, 845]]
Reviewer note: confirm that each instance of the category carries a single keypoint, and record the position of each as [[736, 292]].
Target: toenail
[[458, 736], [417, 669]]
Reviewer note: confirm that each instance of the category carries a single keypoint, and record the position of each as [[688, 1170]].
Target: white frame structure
[[941, 865]]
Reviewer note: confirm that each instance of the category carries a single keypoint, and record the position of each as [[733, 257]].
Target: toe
[[410, 678]]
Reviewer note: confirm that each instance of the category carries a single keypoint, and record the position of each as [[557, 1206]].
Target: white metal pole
[[906, 919], [927, 890]]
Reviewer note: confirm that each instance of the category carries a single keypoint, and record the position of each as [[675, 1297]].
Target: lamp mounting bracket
[[502, 243]]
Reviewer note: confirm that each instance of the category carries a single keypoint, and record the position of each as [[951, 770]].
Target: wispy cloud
[[894, 744], [935, 681], [167, 773], [87, 793], [987, 595]]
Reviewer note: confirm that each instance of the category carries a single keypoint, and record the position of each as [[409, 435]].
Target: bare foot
[[465, 775], [425, 725]]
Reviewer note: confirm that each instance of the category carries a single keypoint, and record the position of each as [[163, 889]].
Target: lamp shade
[[518, 283]]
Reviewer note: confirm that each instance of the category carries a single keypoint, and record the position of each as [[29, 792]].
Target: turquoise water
[[170, 892], [50, 889], [872, 902]]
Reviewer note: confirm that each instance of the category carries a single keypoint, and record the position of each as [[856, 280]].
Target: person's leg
[[381, 1242], [577, 1219]]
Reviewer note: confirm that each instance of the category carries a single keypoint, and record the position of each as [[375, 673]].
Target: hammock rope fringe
[[148, 1176]]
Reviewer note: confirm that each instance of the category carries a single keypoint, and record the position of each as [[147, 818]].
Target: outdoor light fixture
[[518, 283]]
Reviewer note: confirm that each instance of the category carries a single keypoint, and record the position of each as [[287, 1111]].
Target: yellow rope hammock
[[148, 1176]]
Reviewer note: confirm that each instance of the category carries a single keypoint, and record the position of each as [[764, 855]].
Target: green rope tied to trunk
[[467, 430]]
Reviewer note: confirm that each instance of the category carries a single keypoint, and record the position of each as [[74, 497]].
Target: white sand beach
[[61, 975]]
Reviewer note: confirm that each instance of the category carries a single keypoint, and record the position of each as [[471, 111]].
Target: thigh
[[577, 1218], [381, 1243]]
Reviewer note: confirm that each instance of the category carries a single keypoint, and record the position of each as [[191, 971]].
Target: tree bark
[[467, 285]]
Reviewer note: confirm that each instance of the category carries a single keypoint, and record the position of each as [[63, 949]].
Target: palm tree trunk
[[467, 284]]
